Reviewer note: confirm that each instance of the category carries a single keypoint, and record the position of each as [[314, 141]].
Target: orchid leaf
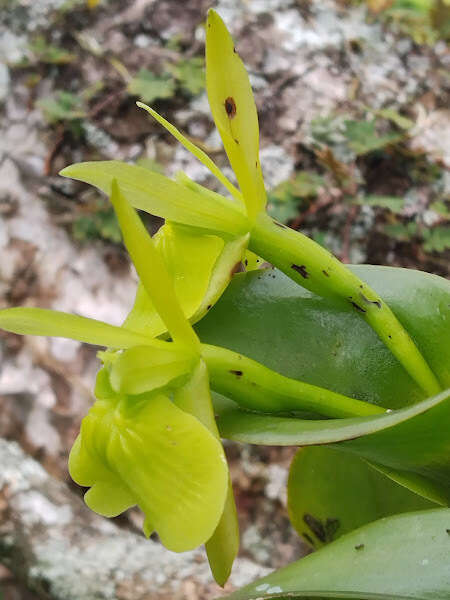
[[234, 111], [151, 270], [146, 451], [403, 557], [144, 369], [195, 150], [162, 197], [41, 321], [322, 342], [331, 493]]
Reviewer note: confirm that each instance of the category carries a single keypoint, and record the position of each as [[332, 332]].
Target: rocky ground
[[355, 136]]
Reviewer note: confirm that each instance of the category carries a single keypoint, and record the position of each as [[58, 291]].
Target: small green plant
[[352, 363]]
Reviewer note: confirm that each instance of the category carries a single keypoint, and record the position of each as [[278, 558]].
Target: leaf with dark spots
[[236, 372], [331, 527], [359, 547], [316, 526], [308, 538], [325, 273]]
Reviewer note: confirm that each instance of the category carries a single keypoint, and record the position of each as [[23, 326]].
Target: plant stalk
[[255, 387], [316, 269]]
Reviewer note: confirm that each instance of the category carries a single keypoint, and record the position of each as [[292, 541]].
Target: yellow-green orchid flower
[[301, 258], [150, 439]]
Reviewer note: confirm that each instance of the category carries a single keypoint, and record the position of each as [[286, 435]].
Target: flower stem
[[255, 387], [317, 270]]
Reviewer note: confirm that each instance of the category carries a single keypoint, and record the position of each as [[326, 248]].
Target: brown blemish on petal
[[301, 269], [237, 373], [230, 107]]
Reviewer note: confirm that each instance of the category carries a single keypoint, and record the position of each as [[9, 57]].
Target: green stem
[[255, 387], [316, 269]]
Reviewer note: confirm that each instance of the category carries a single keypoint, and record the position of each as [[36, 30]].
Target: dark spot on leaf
[[357, 307], [390, 337], [234, 49], [230, 107], [448, 531], [237, 141], [359, 547], [316, 526], [301, 269], [308, 538], [236, 372], [246, 262], [209, 306], [367, 301], [325, 273], [331, 527]]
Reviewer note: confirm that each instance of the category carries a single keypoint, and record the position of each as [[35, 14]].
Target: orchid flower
[[150, 439], [243, 214]]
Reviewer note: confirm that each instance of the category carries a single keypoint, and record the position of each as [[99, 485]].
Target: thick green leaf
[[404, 556], [160, 196], [413, 440], [322, 342], [331, 493]]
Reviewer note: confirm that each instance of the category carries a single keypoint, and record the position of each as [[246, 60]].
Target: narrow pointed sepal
[[45, 322], [234, 111], [151, 269], [195, 150], [162, 197]]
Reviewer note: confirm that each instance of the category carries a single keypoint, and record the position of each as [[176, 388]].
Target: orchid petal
[[144, 450], [152, 270], [162, 197], [41, 321], [222, 547], [201, 266], [234, 111], [144, 369]]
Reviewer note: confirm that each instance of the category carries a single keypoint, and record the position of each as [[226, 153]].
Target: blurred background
[[353, 101]]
